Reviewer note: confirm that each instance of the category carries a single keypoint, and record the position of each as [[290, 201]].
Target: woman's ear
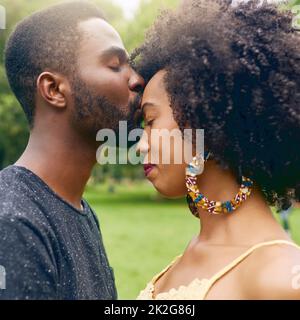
[[53, 87]]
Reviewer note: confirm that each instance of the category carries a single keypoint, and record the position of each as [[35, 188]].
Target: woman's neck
[[251, 223]]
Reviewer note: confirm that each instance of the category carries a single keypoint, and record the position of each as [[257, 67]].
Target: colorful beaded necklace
[[196, 199]]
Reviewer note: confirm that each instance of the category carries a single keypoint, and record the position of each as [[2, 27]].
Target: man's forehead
[[97, 32]]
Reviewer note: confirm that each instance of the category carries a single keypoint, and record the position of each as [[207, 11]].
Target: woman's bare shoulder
[[273, 272]]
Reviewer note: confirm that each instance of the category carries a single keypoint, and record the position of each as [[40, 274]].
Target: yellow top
[[198, 289]]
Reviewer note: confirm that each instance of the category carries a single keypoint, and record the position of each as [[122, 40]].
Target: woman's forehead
[[155, 88]]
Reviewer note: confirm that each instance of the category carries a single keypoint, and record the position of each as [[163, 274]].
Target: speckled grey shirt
[[48, 248]]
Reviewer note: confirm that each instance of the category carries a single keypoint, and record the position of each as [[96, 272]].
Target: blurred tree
[[133, 31]]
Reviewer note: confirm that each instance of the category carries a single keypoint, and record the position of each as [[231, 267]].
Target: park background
[[142, 231]]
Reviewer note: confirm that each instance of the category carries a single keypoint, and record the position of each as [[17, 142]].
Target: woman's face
[[164, 163]]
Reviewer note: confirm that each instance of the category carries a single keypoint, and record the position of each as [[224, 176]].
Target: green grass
[[143, 233]]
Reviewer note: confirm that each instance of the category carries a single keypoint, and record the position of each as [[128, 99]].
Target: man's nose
[[136, 82]]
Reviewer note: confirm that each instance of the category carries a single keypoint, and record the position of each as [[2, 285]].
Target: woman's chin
[[170, 193], [165, 185]]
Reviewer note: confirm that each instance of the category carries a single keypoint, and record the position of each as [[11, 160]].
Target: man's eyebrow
[[115, 51]]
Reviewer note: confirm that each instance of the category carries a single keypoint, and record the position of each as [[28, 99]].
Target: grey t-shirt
[[48, 248]]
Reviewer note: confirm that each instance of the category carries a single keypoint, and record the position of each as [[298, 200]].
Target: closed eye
[[148, 123], [115, 68]]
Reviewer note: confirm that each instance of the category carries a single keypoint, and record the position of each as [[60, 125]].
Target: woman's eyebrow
[[113, 52], [146, 105]]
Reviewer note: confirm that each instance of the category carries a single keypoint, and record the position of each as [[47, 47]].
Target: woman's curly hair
[[234, 71]]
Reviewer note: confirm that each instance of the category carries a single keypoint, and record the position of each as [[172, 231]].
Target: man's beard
[[95, 112]]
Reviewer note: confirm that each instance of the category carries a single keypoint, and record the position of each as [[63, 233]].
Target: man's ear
[[53, 88]]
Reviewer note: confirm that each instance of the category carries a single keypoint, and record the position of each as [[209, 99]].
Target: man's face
[[104, 86]]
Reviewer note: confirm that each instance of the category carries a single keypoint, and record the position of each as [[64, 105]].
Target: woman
[[233, 71]]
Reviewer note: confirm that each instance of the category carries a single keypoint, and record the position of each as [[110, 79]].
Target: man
[[69, 70]]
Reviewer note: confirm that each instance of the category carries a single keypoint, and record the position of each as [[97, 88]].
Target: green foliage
[[133, 32], [294, 2], [13, 130]]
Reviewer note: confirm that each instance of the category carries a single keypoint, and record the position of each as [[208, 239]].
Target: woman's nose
[[143, 145]]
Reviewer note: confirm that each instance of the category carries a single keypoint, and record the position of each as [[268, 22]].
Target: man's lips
[[148, 168]]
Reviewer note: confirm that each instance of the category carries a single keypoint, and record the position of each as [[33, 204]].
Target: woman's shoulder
[[275, 273]]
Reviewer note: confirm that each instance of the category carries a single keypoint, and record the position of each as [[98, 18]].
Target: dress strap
[[239, 259], [156, 277]]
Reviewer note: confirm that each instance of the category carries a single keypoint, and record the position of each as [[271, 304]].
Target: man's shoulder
[[11, 187], [12, 181], [17, 197]]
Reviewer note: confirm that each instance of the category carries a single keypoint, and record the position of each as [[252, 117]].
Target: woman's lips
[[148, 168]]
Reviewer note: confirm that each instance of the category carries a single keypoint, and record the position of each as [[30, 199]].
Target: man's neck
[[64, 164]]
